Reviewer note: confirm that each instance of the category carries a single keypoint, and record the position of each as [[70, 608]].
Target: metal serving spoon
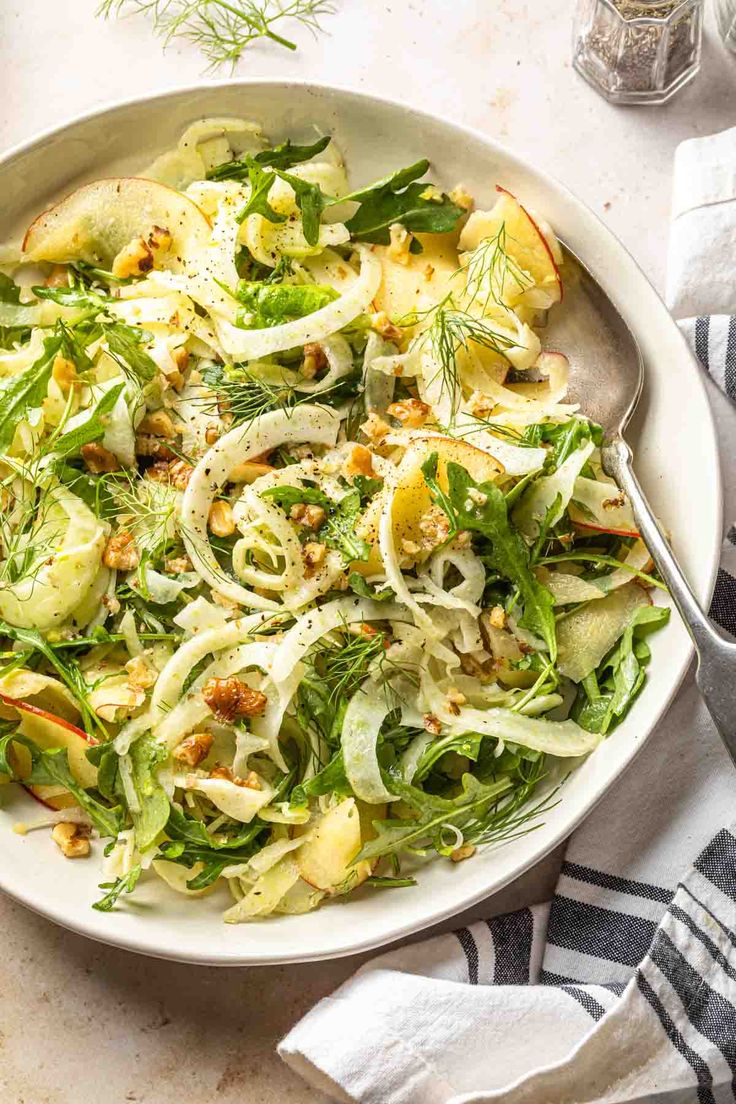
[[606, 378]]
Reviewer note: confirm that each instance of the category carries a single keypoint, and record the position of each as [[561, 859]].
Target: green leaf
[[400, 198], [146, 754], [311, 201], [260, 186], [9, 290], [51, 767], [22, 393], [79, 296], [288, 496], [283, 156], [93, 429], [508, 553], [330, 780], [339, 529], [394, 182], [125, 344], [273, 304], [125, 884], [358, 585]]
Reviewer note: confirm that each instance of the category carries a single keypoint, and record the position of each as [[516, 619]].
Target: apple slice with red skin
[[99, 219], [542, 237], [605, 509], [49, 731]]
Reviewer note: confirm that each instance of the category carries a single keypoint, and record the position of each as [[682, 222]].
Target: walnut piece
[[432, 724], [98, 459], [159, 424], [71, 839], [314, 555], [360, 462], [311, 517], [383, 325], [58, 277], [315, 360], [461, 197], [64, 372], [160, 238], [464, 852], [229, 698], [250, 782], [221, 520], [148, 445], [121, 552], [141, 675], [412, 413], [194, 748], [134, 259]]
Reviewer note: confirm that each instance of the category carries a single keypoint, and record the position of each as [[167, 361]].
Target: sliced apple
[[425, 278], [412, 498], [602, 507], [584, 638], [50, 731], [97, 220], [53, 797], [43, 691], [325, 860], [526, 243]]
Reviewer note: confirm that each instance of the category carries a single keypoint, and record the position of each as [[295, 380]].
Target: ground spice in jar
[[625, 55]]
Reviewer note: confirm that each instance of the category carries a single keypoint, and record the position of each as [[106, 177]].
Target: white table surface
[[81, 1023]]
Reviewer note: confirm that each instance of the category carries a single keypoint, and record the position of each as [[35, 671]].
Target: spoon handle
[[716, 674]]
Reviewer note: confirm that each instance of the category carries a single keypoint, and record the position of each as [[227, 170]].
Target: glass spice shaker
[[726, 20], [638, 51]]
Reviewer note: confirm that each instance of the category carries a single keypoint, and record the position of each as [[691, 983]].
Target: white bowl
[[676, 459]]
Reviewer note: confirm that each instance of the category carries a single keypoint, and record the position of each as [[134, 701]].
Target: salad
[[308, 571]]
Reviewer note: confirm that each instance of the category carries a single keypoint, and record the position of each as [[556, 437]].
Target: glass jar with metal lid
[[638, 51]]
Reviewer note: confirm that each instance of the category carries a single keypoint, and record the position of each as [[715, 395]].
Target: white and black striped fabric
[[623, 988]]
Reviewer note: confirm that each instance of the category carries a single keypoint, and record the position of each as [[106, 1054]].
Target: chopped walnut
[[229, 698], [111, 603], [179, 474], [121, 552], [250, 782], [212, 433], [435, 527], [141, 675], [374, 428], [480, 405], [180, 357], [158, 424], [58, 277], [223, 600], [314, 555], [465, 852], [484, 672], [360, 462], [464, 539], [64, 372], [412, 413], [453, 700], [410, 547], [158, 472], [71, 839], [461, 197], [399, 249], [98, 459], [160, 238], [497, 617], [177, 565], [315, 360], [194, 748], [221, 520], [148, 445], [432, 724], [383, 325], [248, 471], [134, 259], [311, 517]]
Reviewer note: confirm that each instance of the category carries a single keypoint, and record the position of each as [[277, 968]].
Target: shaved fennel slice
[[567, 589], [564, 739], [516, 459], [468, 593], [239, 802], [534, 505], [315, 624], [340, 364], [254, 344], [588, 633], [316, 424], [266, 893], [364, 716], [378, 386], [168, 688]]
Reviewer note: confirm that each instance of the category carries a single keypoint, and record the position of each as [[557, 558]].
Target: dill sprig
[[491, 271], [245, 396], [223, 29]]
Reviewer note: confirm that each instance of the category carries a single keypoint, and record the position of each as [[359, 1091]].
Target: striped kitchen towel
[[623, 988]]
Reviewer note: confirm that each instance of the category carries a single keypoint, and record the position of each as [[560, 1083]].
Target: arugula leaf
[[358, 585], [606, 695], [145, 755], [330, 780], [367, 486], [288, 496], [508, 553], [390, 883], [272, 304], [283, 156], [125, 346], [50, 767], [260, 186], [79, 296], [9, 290], [311, 201], [401, 198], [339, 529], [125, 884], [92, 429], [21, 393]]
